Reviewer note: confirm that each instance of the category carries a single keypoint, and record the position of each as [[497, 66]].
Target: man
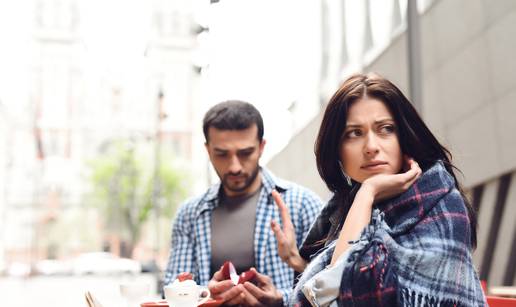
[[232, 220]]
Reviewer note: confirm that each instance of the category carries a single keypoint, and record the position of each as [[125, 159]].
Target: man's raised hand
[[286, 237]]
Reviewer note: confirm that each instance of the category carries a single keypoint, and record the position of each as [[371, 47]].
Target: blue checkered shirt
[[191, 232]]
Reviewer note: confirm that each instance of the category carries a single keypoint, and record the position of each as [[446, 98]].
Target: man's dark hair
[[232, 115]]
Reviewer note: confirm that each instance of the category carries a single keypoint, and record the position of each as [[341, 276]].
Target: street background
[[101, 106]]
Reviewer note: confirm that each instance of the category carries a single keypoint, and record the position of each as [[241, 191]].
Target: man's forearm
[[297, 263]]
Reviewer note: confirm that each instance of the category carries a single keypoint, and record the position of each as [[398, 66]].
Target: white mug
[[185, 294]]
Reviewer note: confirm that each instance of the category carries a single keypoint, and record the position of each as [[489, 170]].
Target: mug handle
[[204, 299]]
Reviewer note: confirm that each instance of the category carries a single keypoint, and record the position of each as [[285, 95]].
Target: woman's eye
[[387, 129], [353, 134]]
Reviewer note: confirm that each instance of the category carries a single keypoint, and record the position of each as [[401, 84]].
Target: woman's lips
[[374, 166]]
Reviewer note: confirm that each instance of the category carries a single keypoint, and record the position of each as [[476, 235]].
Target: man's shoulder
[[193, 203]]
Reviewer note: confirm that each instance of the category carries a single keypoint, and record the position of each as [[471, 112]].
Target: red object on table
[[229, 272], [497, 301], [185, 276], [211, 303]]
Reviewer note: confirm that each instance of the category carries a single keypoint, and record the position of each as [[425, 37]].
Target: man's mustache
[[234, 174]]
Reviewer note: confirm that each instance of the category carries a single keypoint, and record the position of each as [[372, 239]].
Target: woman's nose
[[371, 146]]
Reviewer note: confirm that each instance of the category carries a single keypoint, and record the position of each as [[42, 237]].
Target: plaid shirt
[[416, 251], [191, 232]]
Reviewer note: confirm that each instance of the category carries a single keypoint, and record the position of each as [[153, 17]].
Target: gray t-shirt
[[232, 232]]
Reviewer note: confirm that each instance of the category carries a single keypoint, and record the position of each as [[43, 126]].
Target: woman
[[398, 230]]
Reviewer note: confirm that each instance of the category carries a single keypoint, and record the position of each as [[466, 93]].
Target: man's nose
[[234, 165]]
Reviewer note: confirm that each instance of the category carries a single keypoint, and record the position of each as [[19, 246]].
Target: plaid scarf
[[416, 251]]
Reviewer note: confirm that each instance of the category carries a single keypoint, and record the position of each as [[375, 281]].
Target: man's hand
[[286, 237], [263, 294], [225, 290]]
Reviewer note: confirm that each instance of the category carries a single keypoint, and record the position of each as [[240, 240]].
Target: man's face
[[235, 154]]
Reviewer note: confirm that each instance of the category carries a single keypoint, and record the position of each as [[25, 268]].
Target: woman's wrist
[[366, 192]]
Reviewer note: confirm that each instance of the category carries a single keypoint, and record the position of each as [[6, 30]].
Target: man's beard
[[248, 180]]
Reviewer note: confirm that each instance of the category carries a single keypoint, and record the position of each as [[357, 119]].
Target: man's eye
[[245, 153]]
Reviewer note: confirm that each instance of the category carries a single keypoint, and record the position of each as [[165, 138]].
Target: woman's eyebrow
[[353, 125], [378, 121], [383, 120]]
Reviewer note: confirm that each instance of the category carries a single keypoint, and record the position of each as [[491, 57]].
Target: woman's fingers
[[413, 171], [411, 175], [386, 186], [415, 168]]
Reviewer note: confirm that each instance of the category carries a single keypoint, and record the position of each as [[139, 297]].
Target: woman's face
[[369, 144]]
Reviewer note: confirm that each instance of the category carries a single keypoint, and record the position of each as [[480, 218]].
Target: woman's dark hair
[[232, 115], [415, 138]]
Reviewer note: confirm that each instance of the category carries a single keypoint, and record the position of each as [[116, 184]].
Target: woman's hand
[[384, 186], [373, 189], [286, 237]]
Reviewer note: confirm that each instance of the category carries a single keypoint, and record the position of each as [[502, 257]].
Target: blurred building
[[172, 73], [4, 128], [73, 103], [41, 175], [462, 78]]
